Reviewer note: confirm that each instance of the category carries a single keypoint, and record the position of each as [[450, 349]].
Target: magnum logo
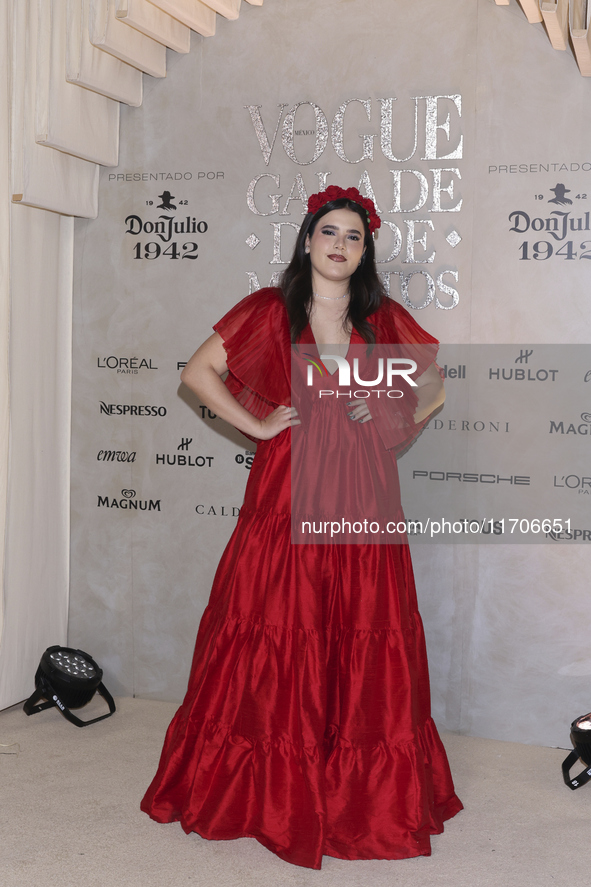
[[129, 502], [583, 427]]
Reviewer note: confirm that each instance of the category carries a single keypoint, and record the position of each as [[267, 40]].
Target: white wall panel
[[152, 22], [532, 10], [555, 15], [228, 8], [193, 13], [91, 67], [70, 118], [112, 35], [5, 195], [580, 34], [41, 176], [36, 574]]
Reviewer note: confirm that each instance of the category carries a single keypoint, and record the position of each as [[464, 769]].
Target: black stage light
[[581, 738], [68, 678]]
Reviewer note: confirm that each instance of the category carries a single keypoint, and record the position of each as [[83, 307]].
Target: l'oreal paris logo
[[395, 366]]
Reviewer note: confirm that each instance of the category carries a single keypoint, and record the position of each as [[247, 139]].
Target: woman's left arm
[[430, 393]]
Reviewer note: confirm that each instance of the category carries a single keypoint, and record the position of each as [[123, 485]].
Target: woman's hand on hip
[[358, 411], [277, 421]]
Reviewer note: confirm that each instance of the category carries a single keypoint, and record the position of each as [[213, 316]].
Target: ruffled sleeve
[[257, 343], [394, 418]]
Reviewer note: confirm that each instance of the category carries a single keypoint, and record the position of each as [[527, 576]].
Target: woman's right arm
[[202, 375]]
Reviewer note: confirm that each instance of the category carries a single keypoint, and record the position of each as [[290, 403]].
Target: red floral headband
[[333, 192]]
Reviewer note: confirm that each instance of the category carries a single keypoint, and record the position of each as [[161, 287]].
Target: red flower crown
[[333, 192]]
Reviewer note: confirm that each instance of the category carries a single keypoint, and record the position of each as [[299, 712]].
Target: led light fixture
[[581, 738], [68, 678]]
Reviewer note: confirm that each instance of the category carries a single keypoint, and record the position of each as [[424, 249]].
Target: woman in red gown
[[306, 723]]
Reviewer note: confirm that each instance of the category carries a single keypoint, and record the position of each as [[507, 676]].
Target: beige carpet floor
[[69, 817]]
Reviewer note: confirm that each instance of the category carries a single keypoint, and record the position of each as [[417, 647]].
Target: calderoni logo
[[564, 427], [121, 409], [125, 365], [478, 425], [472, 477], [218, 510], [128, 502]]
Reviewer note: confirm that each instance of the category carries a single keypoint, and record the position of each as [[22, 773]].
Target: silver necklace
[[331, 298]]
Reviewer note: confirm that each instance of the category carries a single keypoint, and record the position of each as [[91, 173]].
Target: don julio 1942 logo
[[165, 229]]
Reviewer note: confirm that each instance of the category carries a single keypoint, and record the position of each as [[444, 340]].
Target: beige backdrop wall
[[432, 109]]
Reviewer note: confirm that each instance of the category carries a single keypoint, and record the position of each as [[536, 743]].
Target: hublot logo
[[522, 375], [502, 374], [183, 458]]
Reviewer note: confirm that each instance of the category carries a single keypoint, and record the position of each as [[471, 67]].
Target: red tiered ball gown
[[306, 723]]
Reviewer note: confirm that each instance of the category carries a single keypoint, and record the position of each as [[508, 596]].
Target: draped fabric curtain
[[35, 358], [36, 500], [65, 65], [4, 270]]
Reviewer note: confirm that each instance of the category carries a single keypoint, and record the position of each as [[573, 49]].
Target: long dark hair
[[365, 287]]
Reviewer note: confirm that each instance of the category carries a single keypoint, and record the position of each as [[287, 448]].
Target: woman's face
[[336, 246]]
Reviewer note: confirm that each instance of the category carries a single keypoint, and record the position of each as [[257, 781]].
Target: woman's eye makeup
[[331, 231]]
